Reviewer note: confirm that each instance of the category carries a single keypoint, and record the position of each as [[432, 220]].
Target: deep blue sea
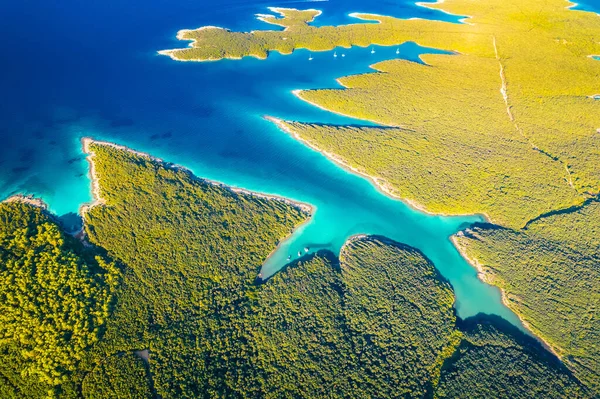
[[89, 68]]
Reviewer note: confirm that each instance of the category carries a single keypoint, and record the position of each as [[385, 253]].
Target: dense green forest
[[120, 376], [495, 360], [550, 272], [193, 251], [506, 126], [55, 298], [178, 312]]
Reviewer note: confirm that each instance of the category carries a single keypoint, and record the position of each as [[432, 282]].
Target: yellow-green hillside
[[550, 272], [505, 128], [186, 319]]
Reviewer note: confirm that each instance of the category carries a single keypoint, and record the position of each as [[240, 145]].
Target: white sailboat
[[335, 54], [397, 51], [372, 51], [310, 57]]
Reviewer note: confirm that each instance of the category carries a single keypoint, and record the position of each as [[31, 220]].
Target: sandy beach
[[27, 199]]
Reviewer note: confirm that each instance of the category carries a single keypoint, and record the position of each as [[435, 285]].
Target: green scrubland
[[54, 301], [550, 272], [506, 127], [184, 255], [120, 376], [456, 130]]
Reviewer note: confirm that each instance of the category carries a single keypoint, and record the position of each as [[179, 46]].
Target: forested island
[[160, 298], [506, 126]]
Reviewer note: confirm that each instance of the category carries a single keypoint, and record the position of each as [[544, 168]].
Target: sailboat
[[397, 51], [335, 54], [343, 55], [372, 51], [310, 57]]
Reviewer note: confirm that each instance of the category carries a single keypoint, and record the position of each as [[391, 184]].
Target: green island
[[166, 302], [508, 126]]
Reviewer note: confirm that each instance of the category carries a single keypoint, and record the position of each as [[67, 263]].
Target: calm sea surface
[[89, 68]]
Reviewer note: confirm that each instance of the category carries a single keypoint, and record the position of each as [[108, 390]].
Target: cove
[[107, 82]]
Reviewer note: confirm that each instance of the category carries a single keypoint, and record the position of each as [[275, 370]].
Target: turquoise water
[[91, 69]]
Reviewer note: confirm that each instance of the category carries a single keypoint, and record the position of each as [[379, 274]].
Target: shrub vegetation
[[378, 322], [54, 300], [550, 273], [507, 127]]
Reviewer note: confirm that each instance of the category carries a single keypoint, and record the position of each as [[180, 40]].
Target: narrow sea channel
[[71, 74]]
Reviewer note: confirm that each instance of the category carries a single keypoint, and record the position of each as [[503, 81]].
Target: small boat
[[305, 249], [398, 51], [372, 51], [343, 55], [335, 55], [299, 253], [310, 57], [289, 257]]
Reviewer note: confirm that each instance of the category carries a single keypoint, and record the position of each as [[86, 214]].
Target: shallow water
[[91, 69]]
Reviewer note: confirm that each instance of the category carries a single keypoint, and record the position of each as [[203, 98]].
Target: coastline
[[95, 181], [281, 11], [304, 207], [278, 247], [431, 6], [27, 199], [379, 183], [265, 18], [483, 277], [383, 187], [171, 52], [307, 209], [297, 94], [350, 240]]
